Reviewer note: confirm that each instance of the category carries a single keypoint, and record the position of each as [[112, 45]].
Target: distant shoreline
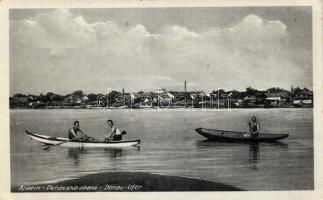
[[127, 182], [220, 109]]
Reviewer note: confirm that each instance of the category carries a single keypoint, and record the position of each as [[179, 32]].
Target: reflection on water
[[113, 155], [74, 153], [254, 149], [254, 155], [208, 143], [169, 145], [279, 145]]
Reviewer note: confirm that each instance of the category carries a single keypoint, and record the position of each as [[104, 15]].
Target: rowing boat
[[48, 140], [235, 136]]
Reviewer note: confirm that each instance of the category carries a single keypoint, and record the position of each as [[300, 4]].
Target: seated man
[[73, 132], [254, 128], [115, 134]]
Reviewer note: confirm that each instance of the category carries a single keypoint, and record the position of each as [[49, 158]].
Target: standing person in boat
[[254, 128], [115, 134], [74, 131]]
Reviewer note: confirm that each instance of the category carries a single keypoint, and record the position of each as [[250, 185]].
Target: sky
[[99, 50]]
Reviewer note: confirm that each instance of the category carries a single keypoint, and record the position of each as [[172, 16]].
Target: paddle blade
[[48, 147]]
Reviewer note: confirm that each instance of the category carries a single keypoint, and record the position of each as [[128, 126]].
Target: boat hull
[[234, 136], [48, 140]]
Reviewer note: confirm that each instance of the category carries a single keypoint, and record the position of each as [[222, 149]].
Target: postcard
[[160, 99]]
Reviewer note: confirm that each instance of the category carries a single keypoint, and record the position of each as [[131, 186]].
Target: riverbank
[[127, 182], [159, 109]]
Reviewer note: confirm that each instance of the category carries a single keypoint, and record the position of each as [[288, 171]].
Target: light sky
[[64, 50]]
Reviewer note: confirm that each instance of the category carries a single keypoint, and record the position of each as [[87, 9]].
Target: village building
[[249, 101], [277, 99], [306, 101]]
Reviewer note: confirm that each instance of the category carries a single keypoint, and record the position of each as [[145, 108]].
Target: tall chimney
[[185, 86], [122, 90]]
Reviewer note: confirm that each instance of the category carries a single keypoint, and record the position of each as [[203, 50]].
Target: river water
[[169, 145]]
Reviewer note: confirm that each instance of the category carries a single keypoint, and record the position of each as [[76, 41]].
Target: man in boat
[[254, 128], [115, 134], [74, 132]]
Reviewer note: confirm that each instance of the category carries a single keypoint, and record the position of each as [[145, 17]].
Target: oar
[[92, 138], [86, 135], [54, 145]]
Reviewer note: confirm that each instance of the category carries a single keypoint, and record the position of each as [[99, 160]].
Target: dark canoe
[[235, 136]]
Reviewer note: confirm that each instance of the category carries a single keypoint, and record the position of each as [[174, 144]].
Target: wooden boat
[[48, 140], [235, 136]]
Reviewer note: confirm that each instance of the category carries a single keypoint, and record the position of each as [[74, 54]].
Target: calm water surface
[[170, 146]]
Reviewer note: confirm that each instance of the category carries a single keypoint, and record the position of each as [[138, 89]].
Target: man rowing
[[254, 128], [74, 132], [115, 134]]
